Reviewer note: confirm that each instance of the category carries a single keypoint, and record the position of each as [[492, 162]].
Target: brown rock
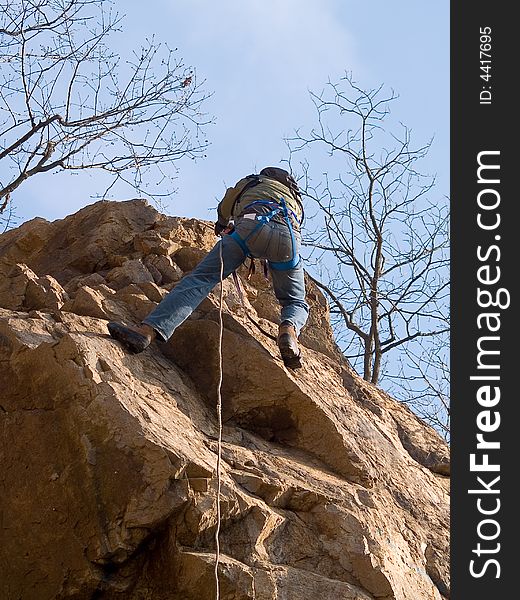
[[83, 280], [81, 244], [97, 301], [26, 241], [22, 289], [152, 291], [168, 270], [152, 242], [132, 271], [154, 272], [13, 285], [45, 293], [135, 300], [329, 487], [188, 258], [187, 232]]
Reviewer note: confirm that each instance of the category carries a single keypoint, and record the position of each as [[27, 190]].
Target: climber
[[259, 217]]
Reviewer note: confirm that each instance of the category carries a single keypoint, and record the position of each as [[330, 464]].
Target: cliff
[[330, 488]]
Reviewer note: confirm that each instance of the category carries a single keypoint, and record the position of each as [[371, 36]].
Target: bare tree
[[423, 382], [69, 102], [380, 245]]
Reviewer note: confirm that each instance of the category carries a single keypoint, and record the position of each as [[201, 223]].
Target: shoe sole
[[289, 356], [293, 362], [132, 341]]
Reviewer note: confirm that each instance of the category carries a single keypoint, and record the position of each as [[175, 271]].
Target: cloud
[[286, 45]]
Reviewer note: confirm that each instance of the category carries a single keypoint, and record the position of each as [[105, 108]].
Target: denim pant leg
[[184, 298], [289, 288]]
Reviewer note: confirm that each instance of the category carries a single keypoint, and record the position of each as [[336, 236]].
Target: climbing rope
[[244, 307], [219, 418]]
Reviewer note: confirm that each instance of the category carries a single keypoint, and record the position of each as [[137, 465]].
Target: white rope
[[219, 417]]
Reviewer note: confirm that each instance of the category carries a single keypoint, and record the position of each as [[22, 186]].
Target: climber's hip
[[272, 241]]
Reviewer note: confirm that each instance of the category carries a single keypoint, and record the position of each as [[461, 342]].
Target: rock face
[[330, 489]]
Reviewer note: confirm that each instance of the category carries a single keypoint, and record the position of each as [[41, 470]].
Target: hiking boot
[[134, 339], [288, 344]]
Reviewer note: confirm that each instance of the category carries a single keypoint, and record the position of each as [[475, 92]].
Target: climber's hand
[[219, 228], [223, 229]]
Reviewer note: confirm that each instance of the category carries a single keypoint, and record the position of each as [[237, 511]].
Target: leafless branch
[[69, 102], [384, 240]]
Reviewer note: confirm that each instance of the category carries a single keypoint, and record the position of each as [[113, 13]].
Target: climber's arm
[[226, 205]]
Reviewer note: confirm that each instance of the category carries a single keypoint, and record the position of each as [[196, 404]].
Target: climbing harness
[[219, 419], [276, 208]]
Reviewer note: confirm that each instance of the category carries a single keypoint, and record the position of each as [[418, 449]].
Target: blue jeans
[[272, 241]]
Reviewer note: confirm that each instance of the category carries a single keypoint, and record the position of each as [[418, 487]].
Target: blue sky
[[259, 59]]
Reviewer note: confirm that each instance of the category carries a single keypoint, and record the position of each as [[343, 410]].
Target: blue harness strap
[[285, 266], [262, 220], [240, 242]]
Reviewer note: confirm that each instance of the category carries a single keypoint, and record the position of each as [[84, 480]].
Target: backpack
[[285, 178]]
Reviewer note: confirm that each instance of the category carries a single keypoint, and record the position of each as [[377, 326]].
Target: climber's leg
[[289, 288], [178, 305], [184, 298]]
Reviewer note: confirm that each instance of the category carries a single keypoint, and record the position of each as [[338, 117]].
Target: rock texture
[[330, 488]]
